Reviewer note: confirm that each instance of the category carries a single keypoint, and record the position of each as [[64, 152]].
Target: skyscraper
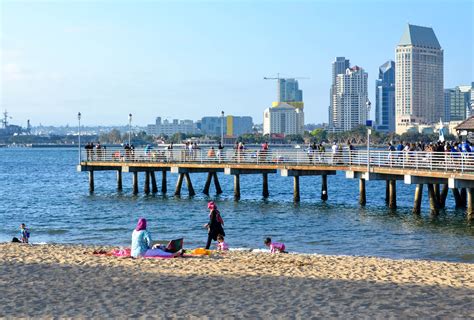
[[339, 66], [349, 99], [385, 98], [288, 90], [457, 103], [418, 78]]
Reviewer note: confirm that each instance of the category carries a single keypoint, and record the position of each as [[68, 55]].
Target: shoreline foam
[[68, 281]]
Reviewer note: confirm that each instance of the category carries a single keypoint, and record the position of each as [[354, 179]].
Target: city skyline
[[186, 60]]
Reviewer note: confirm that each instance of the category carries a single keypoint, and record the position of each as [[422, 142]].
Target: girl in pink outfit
[[275, 246], [221, 245]]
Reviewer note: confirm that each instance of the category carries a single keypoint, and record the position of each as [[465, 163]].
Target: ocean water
[[41, 188]]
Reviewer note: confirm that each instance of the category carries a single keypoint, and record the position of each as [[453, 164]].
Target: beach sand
[[68, 281]]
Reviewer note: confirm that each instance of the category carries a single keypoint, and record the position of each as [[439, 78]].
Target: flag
[[441, 131]]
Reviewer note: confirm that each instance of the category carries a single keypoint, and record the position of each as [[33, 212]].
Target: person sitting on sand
[[221, 245], [275, 246], [141, 239], [214, 226], [24, 234]]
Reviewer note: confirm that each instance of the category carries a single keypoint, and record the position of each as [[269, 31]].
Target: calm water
[[41, 188]]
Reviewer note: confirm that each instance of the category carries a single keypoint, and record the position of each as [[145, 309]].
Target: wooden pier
[[440, 172]]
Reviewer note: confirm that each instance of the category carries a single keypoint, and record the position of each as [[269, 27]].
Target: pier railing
[[418, 160]]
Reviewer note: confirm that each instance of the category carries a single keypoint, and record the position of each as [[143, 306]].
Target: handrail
[[417, 160]]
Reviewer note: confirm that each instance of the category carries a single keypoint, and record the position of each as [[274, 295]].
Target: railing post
[[462, 162], [416, 160]]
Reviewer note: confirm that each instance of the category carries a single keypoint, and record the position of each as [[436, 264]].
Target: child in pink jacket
[[275, 246]]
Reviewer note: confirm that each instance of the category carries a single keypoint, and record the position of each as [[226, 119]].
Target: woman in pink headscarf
[[141, 239], [214, 226]]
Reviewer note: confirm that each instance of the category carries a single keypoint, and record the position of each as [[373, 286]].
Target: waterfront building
[[349, 100], [168, 128], [385, 98], [418, 78], [339, 66], [283, 118], [233, 126]]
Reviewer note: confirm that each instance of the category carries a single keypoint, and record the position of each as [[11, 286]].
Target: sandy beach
[[68, 281]]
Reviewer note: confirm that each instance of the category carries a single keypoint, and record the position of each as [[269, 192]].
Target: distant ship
[[10, 129]]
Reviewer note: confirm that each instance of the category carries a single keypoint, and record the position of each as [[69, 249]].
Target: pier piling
[[387, 191], [189, 184], [146, 187], [91, 181], [135, 183], [457, 198], [265, 192], [179, 183], [324, 187], [433, 201], [119, 180], [164, 184], [418, 197], [443, 195], [437, 193], [362, 195], [216, 183], [470, 202], [392, 203], [154, 188], [296, 189], [463, 197], [207, 184], [236, 187]]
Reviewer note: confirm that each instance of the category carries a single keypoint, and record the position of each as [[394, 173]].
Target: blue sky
[[188, 59]]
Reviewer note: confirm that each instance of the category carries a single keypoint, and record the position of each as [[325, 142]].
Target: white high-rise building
[[349, 100], [419, 95], [283, 119]]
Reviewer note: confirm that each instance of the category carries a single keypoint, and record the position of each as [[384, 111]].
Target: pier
[[438, 171]]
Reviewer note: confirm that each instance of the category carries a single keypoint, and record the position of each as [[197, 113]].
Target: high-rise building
[[418, 78], [288, 90], [349, 100], [283, 119], [385, 98], [339, 66], [457, 103]]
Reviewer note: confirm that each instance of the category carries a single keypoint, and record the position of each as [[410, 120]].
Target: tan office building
[[419, 91]]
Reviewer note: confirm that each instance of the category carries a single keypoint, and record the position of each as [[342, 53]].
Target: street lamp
[[222, 127], [79, 135], [368, 123], [129, 129]]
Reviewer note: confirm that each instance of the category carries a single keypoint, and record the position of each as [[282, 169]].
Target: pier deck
[[451, 170]]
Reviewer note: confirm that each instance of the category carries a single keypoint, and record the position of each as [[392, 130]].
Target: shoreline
[[67, 280], [251, 250]]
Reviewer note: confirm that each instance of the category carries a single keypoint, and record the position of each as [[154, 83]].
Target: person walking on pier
[[214, 226], [220, 151]]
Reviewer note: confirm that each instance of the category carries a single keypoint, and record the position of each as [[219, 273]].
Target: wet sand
[[68, 281]]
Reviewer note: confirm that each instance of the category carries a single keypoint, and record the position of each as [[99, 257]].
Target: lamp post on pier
[[79, 136], [222, 127], [129, 129], [368, 123]]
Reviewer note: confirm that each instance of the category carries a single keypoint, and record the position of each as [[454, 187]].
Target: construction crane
[[278, 78]]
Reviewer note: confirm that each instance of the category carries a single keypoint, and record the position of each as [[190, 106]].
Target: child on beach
[[275, 246], [24, 234], [221, 245]]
